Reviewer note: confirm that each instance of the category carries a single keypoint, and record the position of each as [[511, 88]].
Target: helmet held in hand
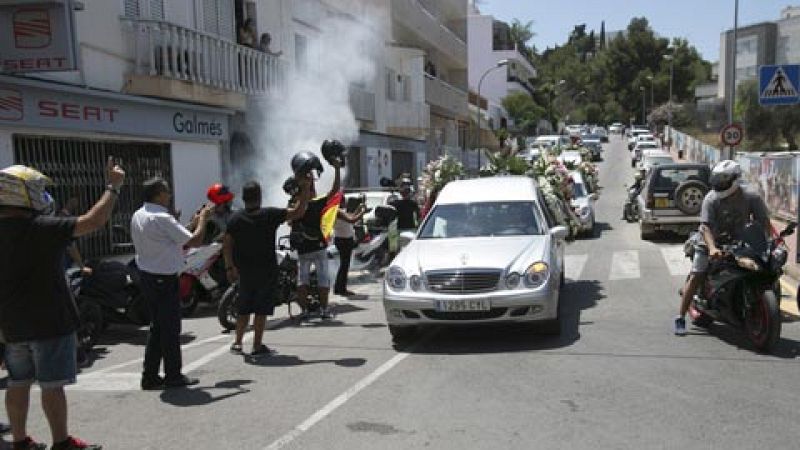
[[333, 152], [24, 187], [291, 187], [305, 162]]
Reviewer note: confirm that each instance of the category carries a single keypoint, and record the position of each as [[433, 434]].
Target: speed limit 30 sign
[[732, 134]]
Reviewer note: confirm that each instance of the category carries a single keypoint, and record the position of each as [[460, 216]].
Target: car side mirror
[[560, 232], [408, 235], [594, 196]]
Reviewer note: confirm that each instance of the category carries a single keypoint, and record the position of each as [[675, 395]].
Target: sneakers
[[28, 444], [261, 350], [680, 326], [73, 443], [183, 381]]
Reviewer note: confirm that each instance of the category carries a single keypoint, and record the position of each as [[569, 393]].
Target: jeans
[[163, 341], [345, 247], [49, 362]]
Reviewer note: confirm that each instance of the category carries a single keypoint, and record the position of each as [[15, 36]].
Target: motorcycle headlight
[[779, 257], [415, 282], [584, 211], [537, 274], [396, 278], [512, 280], [747, 263]]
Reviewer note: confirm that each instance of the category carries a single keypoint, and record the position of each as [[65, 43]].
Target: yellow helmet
[[24, 187]]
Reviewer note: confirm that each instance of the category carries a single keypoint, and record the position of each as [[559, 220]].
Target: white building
[[490, 43]]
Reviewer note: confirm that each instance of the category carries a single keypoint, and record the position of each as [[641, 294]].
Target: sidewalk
[[791, 279]]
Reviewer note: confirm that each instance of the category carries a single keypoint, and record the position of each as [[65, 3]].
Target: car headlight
[[415, 282], [537, 274], [512, 280], [396, 278]]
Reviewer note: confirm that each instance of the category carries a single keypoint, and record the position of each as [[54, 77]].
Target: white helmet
[[724, 177]]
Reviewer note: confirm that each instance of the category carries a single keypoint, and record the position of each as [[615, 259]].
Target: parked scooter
[[201, 280], [739, 289], [110, 293]]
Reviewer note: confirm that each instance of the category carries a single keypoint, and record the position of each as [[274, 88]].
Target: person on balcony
[[263, 45], [248, 34]]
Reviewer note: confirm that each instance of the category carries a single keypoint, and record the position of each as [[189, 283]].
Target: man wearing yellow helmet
[[37, 315]]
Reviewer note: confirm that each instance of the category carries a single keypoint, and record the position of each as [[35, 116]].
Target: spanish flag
[[329, 215]]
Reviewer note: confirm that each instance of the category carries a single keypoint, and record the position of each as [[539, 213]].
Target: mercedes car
[[489, 251]]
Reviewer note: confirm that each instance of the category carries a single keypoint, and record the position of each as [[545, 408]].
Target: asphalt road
[[616, 378]]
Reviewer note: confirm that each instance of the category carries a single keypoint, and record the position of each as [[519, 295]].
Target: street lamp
[[550, 106], [644, 105], [501, 63]]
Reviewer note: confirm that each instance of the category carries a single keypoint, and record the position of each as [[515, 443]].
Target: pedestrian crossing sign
[[779, 84]]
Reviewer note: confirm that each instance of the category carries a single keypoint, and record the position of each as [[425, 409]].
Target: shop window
[[77, 167]]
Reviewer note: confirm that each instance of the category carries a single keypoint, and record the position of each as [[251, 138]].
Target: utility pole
[[732, 99]]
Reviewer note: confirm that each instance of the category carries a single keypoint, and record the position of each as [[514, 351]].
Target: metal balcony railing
[[168, 50]]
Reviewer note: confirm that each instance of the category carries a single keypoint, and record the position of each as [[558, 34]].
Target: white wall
[[195, 166]]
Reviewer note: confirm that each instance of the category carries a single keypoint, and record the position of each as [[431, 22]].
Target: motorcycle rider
[[726, 210], [633, 191], [307, 237], [222, 198]]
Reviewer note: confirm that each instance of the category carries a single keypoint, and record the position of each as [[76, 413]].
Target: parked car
[[616, 128], [636, 154], [552, 140], [652, 158], [489, 251], [583, 203], [594, 143], [671, 198], [602, 133], [635, 133]]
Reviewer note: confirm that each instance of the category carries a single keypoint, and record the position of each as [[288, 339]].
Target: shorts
[[257, 297], [51, 363], [320, 261]]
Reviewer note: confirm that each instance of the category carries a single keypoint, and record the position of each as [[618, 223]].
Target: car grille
[[462, 281], [493, 313]]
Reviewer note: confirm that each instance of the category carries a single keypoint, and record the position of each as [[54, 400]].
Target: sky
[[699, 21]]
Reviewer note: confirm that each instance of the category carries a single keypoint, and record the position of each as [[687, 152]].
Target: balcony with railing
[[445, 98], [177, 62], [427, 27]]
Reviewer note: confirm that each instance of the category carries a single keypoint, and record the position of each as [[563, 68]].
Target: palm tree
[[521, 34]]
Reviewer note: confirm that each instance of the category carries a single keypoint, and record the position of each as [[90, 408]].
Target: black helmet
[[304, 162], [333, 151], [291, 187]]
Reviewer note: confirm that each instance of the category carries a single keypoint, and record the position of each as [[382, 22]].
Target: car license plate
[[462, 305], [662, 203]]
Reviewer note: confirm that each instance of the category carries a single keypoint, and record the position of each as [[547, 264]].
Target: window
[[218, 18], [481, 219], [391, 87], [144, 9], [300, 52]]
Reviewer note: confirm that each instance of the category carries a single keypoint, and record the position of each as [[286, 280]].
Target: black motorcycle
[[739, 288], [110, 293], [287, 289], [630, 210]]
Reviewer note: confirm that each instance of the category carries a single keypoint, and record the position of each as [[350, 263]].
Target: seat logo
[[10, 104], [32, 28]]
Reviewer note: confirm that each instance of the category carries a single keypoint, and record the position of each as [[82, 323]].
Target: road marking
[[337, 402], [108, 382], [573, 266], [677, 262], [625, 265]]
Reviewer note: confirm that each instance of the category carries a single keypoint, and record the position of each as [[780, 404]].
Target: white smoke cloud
[[315, 105]]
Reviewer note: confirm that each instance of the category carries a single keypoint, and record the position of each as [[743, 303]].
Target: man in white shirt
[[159, 241]]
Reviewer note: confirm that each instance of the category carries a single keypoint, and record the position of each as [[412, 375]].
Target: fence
[[773, 175]]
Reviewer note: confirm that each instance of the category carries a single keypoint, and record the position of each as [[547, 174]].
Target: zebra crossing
[[627, 265]]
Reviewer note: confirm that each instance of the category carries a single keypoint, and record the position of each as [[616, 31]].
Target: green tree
[[524, 112], [521, 34], [765, 127]]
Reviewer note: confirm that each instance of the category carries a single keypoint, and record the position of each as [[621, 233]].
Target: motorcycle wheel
[[227, 312], [92, 324], [763, 322], [189, 302]]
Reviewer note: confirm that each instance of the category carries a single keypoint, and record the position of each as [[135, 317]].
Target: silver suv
[[672, 197]]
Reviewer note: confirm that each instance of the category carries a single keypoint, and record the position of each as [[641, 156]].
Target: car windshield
[[481, 219], [657, 160], [591, 137]]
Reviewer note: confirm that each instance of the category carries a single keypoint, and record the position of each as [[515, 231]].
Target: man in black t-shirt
[[38, 317], [249, 252], [407, 210]]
